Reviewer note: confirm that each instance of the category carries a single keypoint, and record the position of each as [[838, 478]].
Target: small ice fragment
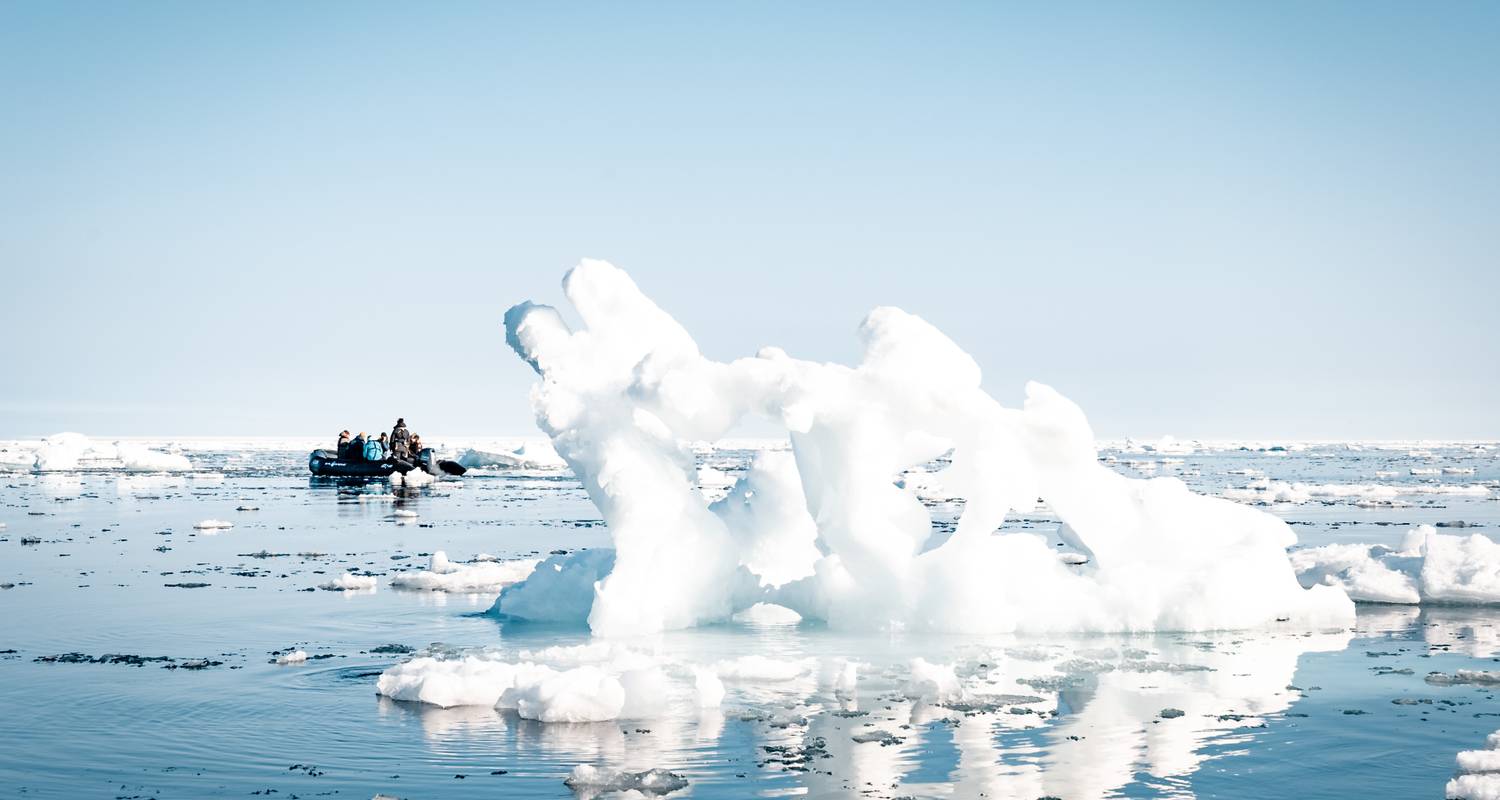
[[1473, 787], [294, 657], [1479, 761], [213, 524], [593, 780], [350, 582]]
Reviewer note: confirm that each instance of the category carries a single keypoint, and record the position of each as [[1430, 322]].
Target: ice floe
[[64, 452], [443, 575], [1479, 773], [352, 583], [1428, 567], [213, 525], [1267, 491], [531, 455]]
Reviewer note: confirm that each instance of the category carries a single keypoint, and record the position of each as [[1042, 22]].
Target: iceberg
[[829, 532]]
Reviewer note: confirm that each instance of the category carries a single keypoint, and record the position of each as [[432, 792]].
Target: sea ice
[[827, 531], [1480, 778], [469, 681], [593, 780], [1429, 567], [583, 694], [443, 575], [351, 582], [213, 524]]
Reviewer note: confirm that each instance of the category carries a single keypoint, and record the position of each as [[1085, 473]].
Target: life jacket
[[374, 451]]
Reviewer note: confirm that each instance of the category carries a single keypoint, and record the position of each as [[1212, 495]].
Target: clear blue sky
[[1206, 219]]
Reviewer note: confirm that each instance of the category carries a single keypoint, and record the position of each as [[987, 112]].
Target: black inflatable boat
[[329, 463]]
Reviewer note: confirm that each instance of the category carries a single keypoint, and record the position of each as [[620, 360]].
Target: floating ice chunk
[[443, 575], [415, 477], [1430, 568], [294, 657], [136, 458], [468, 681], [840, 675], [61, 451], [591, 780], [403, 513], [933, 683], [351, 582], [438, 562], [213, 524], [585, 694], [531, 455], [1424, 471], [1473, 787], [1479, 761]]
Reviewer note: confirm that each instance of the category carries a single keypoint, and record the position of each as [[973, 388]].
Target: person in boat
[[357, 446], [401, 440], [385, 446], [343, 446], [416, 446]]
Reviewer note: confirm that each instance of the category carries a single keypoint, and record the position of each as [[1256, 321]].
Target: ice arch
[[621, 395]]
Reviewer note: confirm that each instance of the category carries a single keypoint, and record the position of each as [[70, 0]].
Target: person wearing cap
[[343, 445]]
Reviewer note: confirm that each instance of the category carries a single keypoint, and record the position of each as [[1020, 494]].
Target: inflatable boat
[[329, 463]]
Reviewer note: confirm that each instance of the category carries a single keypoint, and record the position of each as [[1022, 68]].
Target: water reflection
[[1080, 718]]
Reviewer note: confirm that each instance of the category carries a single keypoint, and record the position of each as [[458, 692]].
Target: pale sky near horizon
[[1212, 220]]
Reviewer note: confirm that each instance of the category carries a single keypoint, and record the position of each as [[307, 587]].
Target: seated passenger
[[374, 449], [343, 445]]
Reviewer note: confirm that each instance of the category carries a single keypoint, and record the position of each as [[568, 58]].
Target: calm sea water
[[1285, 714]]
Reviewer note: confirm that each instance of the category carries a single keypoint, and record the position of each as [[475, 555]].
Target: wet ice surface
[[146, 649]]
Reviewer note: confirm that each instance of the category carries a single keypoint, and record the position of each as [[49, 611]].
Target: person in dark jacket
[[357, 446], [401, 440], [343, 446], [385, 447]]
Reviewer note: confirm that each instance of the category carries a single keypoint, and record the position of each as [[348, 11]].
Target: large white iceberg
[[829, 532]]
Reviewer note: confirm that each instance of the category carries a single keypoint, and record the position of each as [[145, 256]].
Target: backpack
[[373, 451]]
